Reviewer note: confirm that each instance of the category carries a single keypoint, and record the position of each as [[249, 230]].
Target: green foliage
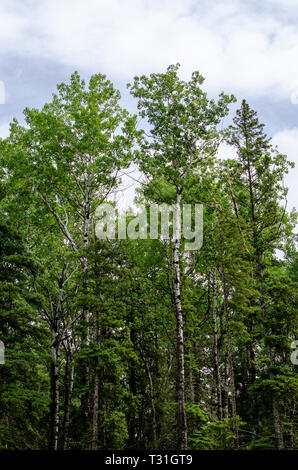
[[89, 325], [215, 435]]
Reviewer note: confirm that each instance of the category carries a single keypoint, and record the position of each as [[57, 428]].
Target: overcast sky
[[245, 47]]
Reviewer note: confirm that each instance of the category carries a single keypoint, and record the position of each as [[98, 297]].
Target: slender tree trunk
[[86, 372], [94, 443], [215, 352], [69, 377], [55, 372], [225, 398], [86, 381], [180, 332], [95, 411], [132, 414], [250, 360], [292, 418], [230, 362], [275, 409], [191, 382], [154, 425], [233, 390], [277, 424]]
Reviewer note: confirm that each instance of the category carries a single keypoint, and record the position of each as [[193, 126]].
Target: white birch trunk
[[180, 334]]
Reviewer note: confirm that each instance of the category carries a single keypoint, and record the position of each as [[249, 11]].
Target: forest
[[139, 343]]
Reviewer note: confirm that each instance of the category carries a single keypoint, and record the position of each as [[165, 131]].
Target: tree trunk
[[86, 314], [180, 333], [94, 442], [55, 372], [132, 415], [86, 372], [225, 397], [250, 361], [191, 382], [154, 425], [69, 376], [233, 389], [230, 362], [95, 411], [215, 351], [277, 425]]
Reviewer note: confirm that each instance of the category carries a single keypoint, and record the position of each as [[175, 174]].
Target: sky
[[245, 47]]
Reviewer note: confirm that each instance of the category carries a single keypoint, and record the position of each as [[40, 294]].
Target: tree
[[104, 338], [68, 158], [183, 137], [256, 186], [24, 394]]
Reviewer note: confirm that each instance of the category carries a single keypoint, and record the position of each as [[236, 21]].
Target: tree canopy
[[141, 343]]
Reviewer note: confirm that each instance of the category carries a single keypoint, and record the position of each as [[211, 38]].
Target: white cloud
[[2, 92], [247, 48], [237, 46], [11, 27], [226, 151], [287, 142]]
